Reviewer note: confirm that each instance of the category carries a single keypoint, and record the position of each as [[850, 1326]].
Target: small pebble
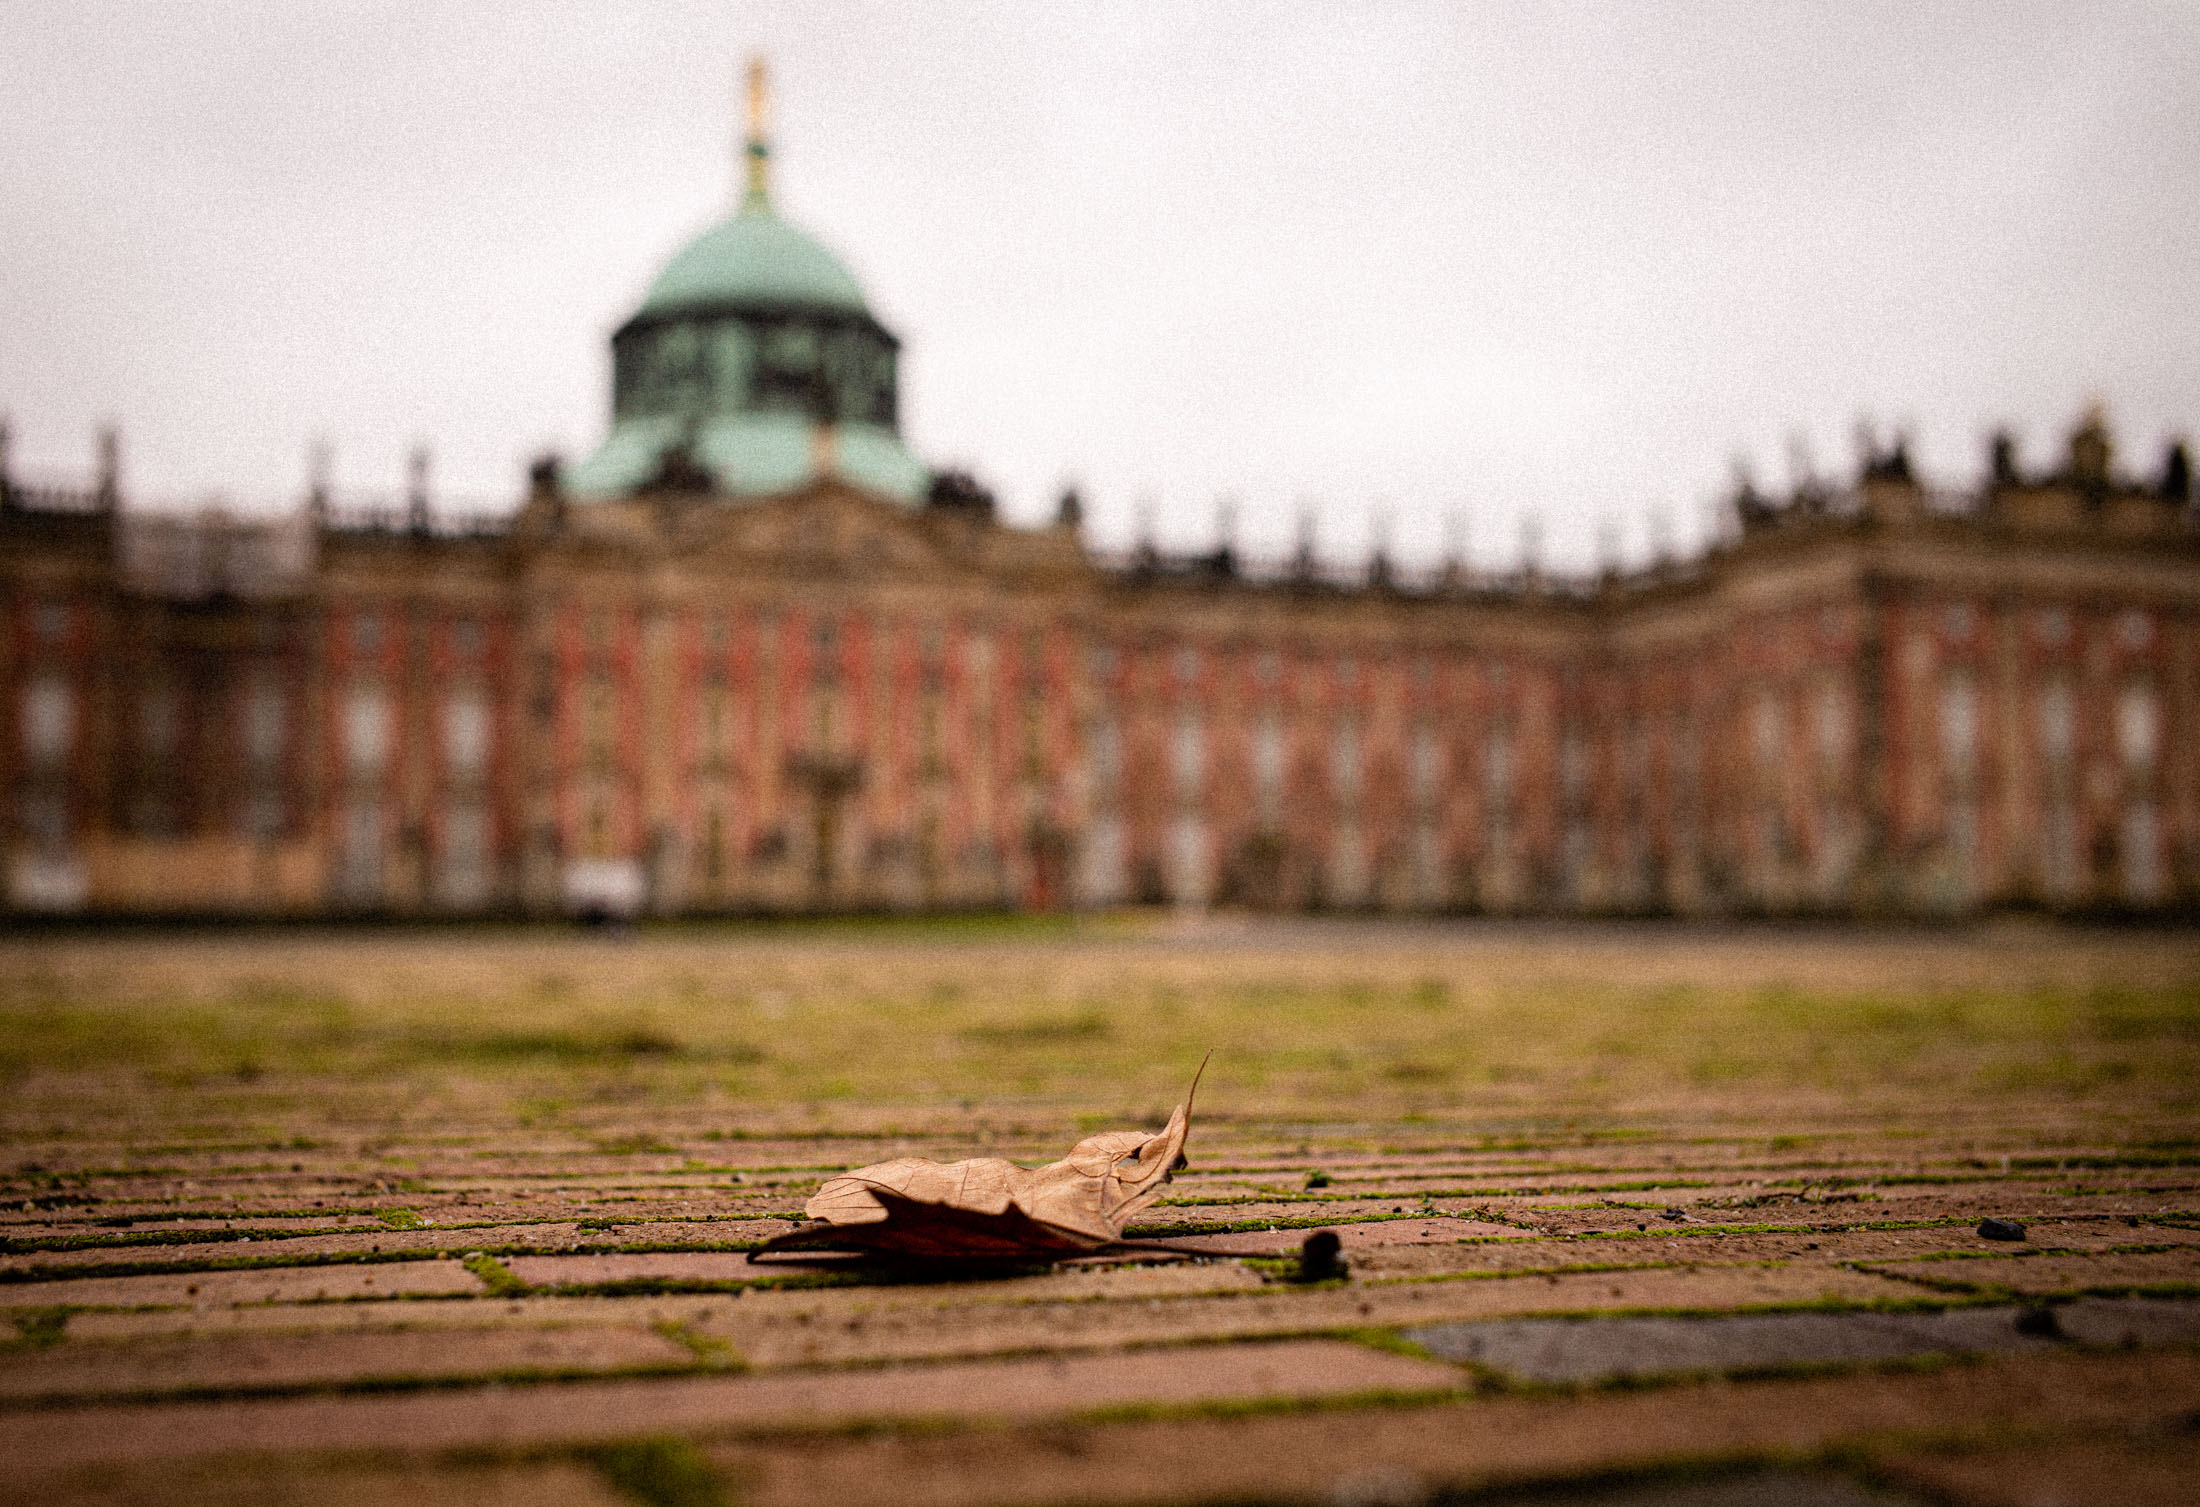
[[1318, 1258], [2000, 1229]]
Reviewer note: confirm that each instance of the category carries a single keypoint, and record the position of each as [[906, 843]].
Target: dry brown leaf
[[988, 1209]]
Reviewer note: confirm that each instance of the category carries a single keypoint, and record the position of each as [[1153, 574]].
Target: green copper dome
[[755, 259], [754, 366]]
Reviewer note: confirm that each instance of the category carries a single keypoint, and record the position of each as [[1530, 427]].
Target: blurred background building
[[752, 655]]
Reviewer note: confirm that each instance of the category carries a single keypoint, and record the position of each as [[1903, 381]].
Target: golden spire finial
[[758, 150]]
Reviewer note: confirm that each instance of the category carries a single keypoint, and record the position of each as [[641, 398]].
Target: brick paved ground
[[1631, 1215]]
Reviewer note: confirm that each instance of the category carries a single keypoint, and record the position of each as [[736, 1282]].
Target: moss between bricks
[[496, 1276], [660, 1472]]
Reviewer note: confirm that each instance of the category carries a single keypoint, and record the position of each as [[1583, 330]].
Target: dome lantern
[[757, 150]]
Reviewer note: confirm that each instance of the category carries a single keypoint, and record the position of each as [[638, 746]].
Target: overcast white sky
[[1496, 260]]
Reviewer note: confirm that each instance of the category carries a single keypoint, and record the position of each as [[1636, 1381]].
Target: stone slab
[[1589, 1350], [2131, 1321]]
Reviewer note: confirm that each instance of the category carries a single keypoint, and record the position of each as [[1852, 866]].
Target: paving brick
[[656, 1266], [261, 1482], [1470, 1448], [2132, 1470], [2048, 1273], [44, 1440], [279, 1284], [146, 1366]]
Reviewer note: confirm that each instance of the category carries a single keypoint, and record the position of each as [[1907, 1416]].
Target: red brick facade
[[1878, 701]]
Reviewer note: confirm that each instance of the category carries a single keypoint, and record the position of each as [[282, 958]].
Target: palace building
[[751, 655]]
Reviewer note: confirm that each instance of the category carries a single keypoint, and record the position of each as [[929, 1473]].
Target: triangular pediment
[[827, 530]]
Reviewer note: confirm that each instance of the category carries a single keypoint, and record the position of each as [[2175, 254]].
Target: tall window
[[2142, 852], [1034, 732], [1765, 730], [932, 731], [265, 718], [717, 717], [366, 731], [1104, 873], [1107, 755], [1425, 765], [465, 852], [2057, 718], [599, 720], [1188, 860], [1344, 762], [1959, 760], [363, 848], [1497, 768], [1573, 766], [1188, 756], [466, 734], [1687, 778], [2058, 725], [1831, 723], [2138, 728], [157, 722], [2138, 736], [1497, 790], [263, 814], [49, 720], [714, 848], [1958, 725], [1268, 769], [1348, 862]]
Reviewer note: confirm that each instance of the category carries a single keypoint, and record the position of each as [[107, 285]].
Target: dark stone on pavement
[[2000, 1229], [1318, 1258]]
